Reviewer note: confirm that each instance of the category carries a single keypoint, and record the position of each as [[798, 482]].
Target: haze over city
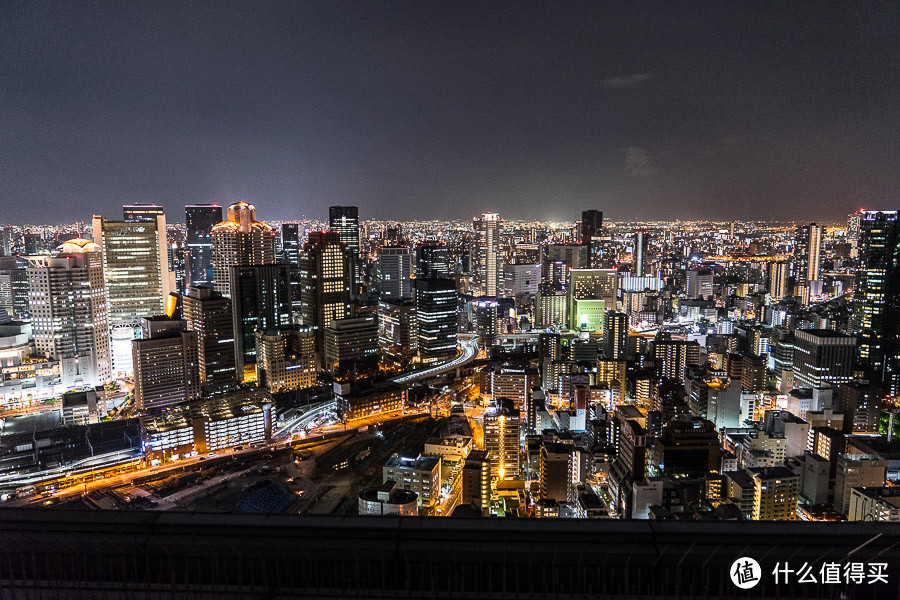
[[508, 300]]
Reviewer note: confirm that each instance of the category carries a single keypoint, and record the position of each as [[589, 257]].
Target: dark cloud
[[446, 109]]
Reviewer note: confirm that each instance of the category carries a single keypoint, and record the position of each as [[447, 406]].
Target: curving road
[[469, 350]]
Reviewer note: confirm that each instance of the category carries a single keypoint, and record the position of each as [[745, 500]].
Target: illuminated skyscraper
[[487, 316], [822, 356], [135, 268], [501, 439], [436, 316], [393, 273], [286, 359], [166, 364], [240, 241], [261, 300], [551, 306], [615, 336], [345, 221], [141, 212], [672, 356], [432, 261], [808, 253], [326, 281], [641, 260], [68, 306], [200, 220], [876, 299], [398, 338], [486, 256], [778, 279], [209, 315], [14, 287], [591, 227], [290, 243]]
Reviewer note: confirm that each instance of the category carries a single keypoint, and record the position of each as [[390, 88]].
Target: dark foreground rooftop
[[91, 554]]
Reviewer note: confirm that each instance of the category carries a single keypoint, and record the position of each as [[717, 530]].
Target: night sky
[[445, 109]]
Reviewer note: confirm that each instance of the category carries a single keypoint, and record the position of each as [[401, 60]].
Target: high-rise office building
[[141, 212], [672, 356], [14, 287], [286, 359], [510, 382], [261, 299], [290, 243], [501, 439], [487, 316], [209, 315], [699, 283], [5, 241], [177, 255], [290, 254], [344, 220], [753, 373], [200, 220], [436, 301], [601, 284], [476, 481], [135, 268], [351, 348], [486, 257], [823, 356], [240, 241], [778, 279], [641, 258], [615, 336], [556, 470], [549, 352], [876, 299], [68, 304], [861, 405], [398, 337], [393, 273], [551, 306], [591, 292], [808, 253], [326, 281], [573, 256], [432, 261], [687, 446], [521, 280], [591, 227], [34, 242], [166, 364]]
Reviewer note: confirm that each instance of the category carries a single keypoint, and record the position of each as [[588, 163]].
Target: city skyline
[[428, 111], [404, 299]]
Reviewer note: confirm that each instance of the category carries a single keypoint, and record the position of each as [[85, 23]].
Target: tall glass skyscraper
[[486, 254], [876, 299], [135, 267], [200, 219], [345, 221]]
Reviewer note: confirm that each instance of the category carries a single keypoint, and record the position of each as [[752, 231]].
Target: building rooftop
[[420, 463], [772, 473]]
